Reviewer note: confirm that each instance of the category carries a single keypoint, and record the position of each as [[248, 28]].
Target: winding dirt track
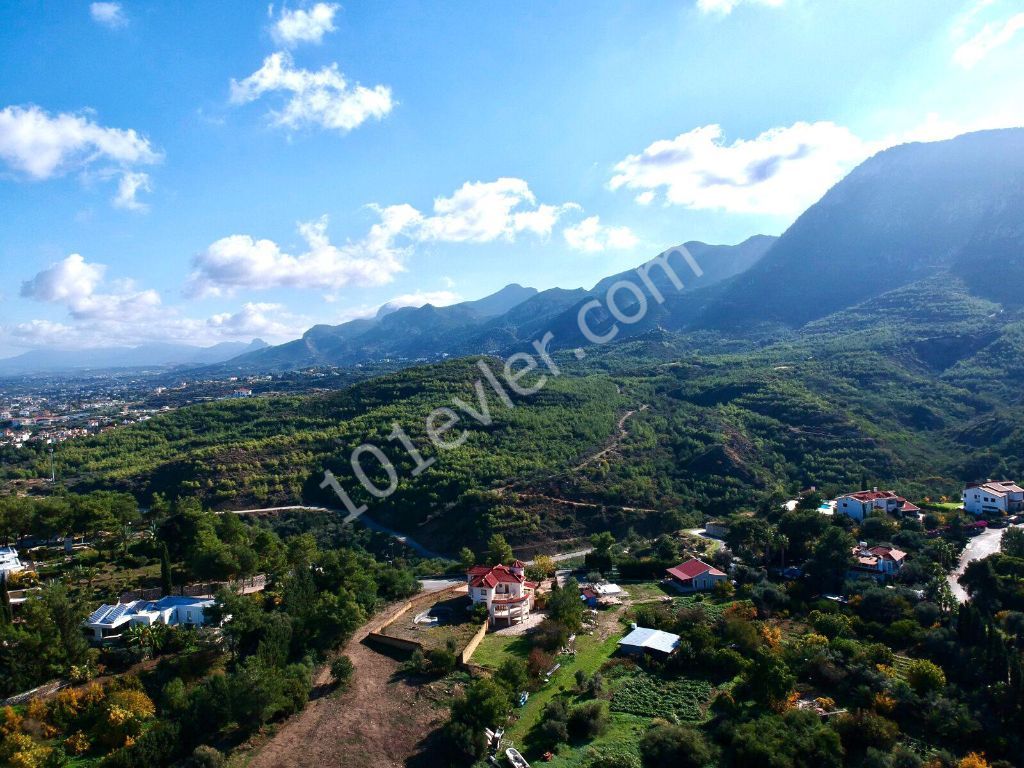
[[379, 722]]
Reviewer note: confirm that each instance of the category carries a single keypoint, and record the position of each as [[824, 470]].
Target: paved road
[[566, 555], [978, 548]]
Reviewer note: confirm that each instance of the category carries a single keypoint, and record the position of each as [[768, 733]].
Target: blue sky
[[201, 172]]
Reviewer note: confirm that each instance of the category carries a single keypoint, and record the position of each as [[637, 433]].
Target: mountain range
[[154, 355], [907, 214]]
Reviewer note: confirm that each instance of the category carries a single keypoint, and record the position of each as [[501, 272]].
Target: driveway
[[978, 548]]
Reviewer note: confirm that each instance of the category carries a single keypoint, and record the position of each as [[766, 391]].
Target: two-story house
[[861, 504], [504, 590], [878, 561], [1001, 497]]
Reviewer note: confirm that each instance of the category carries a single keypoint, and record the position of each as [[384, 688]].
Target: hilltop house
[[9, 562], [110, 621], [504, 590], [695, 576], [1003, 497], [877, 561], [859, 505]]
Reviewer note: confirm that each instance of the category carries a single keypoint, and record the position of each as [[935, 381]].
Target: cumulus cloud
[[982, 29], [300, 26], [591, 236], [41, 145], [780, 171], [75, 284], [321, 98], [422, 298], [478, 212], [725, 7], [108, 14], [241, 261], [127, 189], [117, 313]]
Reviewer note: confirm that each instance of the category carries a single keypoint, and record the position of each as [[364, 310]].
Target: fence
[[245, 586]]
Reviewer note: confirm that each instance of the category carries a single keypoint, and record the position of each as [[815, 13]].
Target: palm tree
[[140, 636]]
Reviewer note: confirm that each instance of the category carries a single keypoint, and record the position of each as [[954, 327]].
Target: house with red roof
[[862, 503], [695, 576], [878, 561], [509, 597]]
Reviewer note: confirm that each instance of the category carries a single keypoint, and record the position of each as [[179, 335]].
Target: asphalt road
[[978, 548]]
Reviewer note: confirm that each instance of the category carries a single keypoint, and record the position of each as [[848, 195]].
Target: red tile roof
[[691, 569], [481, 575]]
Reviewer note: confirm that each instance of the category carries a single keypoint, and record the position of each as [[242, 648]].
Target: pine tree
[[166, 583]]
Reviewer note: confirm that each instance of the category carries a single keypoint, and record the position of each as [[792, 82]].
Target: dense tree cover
[[858, 398], [211, 688]]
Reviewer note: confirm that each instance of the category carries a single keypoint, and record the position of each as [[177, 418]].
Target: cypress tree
[[166, 584], [6, 613]]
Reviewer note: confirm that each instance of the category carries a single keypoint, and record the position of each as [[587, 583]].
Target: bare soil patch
[[380, 722]]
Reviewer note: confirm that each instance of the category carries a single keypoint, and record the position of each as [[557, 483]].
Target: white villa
[[1003, 497], [109, 621], [504, 590], [859, 505], [9, 562]]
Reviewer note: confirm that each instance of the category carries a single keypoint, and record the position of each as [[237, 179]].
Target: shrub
[[925, 677], [669, 746], [588, 720], [341, 671], [205, 757]]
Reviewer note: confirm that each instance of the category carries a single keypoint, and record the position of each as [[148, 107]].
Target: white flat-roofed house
[[504, 590], [1000, 497], [9, 562], [110, 621]]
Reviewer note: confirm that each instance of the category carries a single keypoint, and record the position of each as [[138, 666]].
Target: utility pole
[[53, 474]]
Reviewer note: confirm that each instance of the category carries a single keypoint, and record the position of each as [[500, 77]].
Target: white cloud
[[725, 7], [478, 212], [240, 261], [422, 298], [780, 171], [108, 14], [41, 145], [981, 30], [127, 189], [119, 313], [74, 283], [591, 236], [322, 98], [299, 26]]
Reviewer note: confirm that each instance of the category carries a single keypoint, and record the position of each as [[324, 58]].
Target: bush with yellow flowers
[[77, 743]]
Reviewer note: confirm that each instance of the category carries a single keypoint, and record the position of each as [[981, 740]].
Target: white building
[[504, 590], [859, 505], [9, 562], [110, 621], [1003, 497]]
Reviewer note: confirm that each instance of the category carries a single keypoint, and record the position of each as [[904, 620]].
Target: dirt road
[[378, 723]]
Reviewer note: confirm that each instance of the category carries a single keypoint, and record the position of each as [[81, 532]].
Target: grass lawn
[[648, 590], [591, 653], [494, 649]]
